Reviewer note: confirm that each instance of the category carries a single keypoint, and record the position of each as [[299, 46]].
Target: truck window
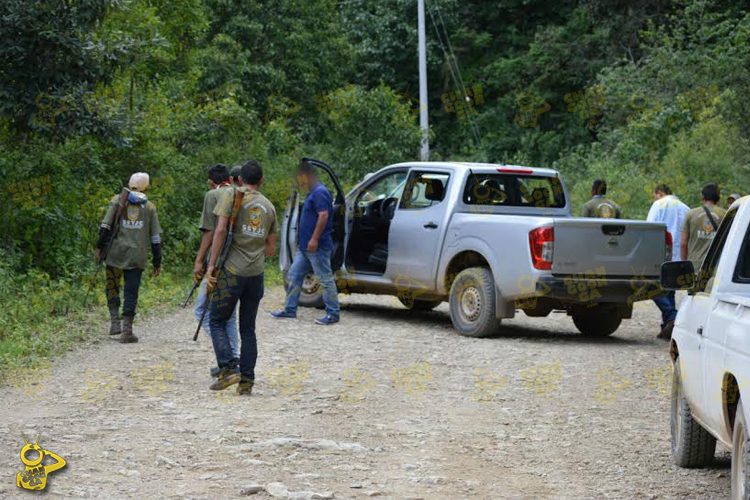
[[742, 271], [707, 271], [424, 189], [514, 190], [388, 186]]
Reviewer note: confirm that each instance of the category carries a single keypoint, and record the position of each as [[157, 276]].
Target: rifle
[[190, 294], [122, 202], [238, 196]]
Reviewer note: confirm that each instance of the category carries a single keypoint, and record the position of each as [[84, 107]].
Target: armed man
[[218, 183], [247, 225], [128, 229], [599, 206], [700, 226]]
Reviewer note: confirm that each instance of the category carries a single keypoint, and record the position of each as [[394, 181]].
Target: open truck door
[[312, 293]]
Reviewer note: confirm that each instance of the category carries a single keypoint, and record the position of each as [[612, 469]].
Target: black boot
[[115, 326], [127, 336]]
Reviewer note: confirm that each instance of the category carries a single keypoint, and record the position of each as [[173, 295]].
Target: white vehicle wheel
[[740, 449], [692, 445]]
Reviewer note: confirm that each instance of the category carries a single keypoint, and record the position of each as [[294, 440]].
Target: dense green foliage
[[636, 91]]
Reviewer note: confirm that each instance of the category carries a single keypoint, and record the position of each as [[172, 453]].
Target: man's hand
[[211, 279], [157, 272], [198, 272], [312, 245]]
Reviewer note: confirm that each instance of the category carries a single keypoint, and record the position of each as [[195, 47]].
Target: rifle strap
[[710, 217]]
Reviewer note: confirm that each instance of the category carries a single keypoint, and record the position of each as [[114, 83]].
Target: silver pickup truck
[[490, 240]]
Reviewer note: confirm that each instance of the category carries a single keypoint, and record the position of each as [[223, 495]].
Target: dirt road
[[387, 403]]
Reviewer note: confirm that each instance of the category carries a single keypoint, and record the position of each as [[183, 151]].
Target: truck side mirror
[[678, 275]]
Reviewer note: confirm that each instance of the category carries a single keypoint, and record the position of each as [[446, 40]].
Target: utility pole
[[423, 117]]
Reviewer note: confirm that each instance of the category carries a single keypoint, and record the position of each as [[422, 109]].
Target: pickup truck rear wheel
[[472, 303], [740, 456], [597, 321], [312, 291], [692, 445]]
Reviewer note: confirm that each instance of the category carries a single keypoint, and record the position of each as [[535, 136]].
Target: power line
[[453, 67]]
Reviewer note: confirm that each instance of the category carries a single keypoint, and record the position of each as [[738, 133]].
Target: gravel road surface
[[388, 403]]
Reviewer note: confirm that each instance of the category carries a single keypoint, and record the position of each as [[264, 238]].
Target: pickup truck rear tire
[[692, 445], [419, 304], [598, 321], [472, 303], [740, 455]]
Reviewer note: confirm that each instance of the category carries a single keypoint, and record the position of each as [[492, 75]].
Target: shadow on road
[[441, 320]]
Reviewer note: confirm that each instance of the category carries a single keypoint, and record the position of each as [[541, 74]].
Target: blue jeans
[[132, 282], [666, 303], [319, 263], [200, 306], [230, 289]]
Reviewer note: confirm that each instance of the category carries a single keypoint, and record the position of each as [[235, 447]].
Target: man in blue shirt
[[315, 236], [667, 208]]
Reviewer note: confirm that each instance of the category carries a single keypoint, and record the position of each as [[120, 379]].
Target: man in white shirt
[[667, 208]]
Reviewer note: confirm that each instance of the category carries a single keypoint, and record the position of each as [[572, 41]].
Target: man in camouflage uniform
[[218, 183], [241, 277], [599, 206], [700, 226], [138, 230]]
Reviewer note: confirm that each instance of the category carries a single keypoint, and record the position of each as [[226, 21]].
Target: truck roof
[[483, 167], [740, 201]]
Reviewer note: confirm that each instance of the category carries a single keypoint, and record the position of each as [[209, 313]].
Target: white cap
[[139, 181]]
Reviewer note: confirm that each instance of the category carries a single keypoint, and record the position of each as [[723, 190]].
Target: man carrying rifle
[[128, 229], [250, 218], [218, 184]]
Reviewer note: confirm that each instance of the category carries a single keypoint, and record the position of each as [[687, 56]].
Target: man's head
[[599, 188], [217, 174], [139, 181], [234, 175], [306, 175], [710, 193], [732, 198], [661, 190], [252, 173]]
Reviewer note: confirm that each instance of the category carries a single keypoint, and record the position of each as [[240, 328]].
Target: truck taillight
[[668, 244], [542, 245]]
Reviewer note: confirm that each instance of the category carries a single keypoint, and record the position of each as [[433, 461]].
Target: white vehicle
[[711, 351], [490, 240]]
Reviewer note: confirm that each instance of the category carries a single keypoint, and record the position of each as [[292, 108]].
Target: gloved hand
[[211, 279]]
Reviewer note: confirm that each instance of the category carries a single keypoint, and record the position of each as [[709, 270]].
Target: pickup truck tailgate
[[611, 248]]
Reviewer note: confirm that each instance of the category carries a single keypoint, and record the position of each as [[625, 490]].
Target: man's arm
[[684, 247], [220, 235], [155, 241], [206, 239], [684, 240], [320, 226], [270, 248]]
